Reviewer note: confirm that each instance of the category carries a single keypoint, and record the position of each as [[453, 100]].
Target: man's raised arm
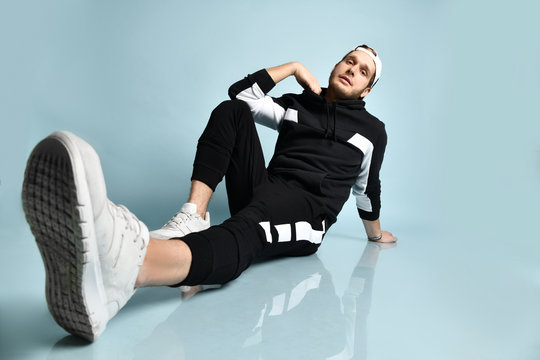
[[252, 89], [303, 76]]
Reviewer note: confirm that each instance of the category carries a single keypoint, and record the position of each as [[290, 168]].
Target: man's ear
[[365, 92]]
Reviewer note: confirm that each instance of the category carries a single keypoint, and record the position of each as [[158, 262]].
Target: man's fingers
[[313, 86], [391, 236], [307, 80]]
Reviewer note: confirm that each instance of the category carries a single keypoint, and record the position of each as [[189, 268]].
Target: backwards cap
[[376, 59]]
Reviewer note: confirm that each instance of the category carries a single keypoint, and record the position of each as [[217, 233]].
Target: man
[[97, 253]]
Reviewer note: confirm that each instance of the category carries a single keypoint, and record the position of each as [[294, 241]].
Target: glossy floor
[[449, 298]]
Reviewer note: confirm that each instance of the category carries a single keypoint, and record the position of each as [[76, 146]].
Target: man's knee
[[234, 104], [236, 110]]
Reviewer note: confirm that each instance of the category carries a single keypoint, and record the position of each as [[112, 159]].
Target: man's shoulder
[[374, 120]]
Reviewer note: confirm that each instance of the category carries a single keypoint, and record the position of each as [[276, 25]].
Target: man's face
[[350, 77]]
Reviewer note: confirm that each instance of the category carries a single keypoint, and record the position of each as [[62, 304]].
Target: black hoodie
[[325, 147]]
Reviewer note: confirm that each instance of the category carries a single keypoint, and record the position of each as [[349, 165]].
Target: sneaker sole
[[57, 206]]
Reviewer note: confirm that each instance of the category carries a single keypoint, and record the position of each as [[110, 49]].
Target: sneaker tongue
[[189, 208]]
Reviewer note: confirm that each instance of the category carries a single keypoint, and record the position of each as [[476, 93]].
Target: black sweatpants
[[269, 216]]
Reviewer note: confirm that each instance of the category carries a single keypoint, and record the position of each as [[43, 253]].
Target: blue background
[[138, 80]]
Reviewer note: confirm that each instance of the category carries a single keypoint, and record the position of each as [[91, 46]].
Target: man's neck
[[329, 95]]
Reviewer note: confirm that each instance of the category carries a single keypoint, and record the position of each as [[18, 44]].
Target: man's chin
[[341, 92], [346, 96]]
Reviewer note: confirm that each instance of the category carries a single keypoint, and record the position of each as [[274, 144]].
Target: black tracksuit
[[323, 150]]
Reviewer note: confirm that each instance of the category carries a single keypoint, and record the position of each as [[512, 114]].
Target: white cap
[[376, 59]]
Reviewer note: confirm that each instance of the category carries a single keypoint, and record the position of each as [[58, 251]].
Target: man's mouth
[[342, 77]]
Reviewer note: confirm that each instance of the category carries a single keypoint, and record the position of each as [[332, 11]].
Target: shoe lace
[[131, 221], [179, 218]]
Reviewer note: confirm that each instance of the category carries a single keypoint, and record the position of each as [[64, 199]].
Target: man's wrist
[[373, 229], [281, 72], [295, 65], [375, 238]]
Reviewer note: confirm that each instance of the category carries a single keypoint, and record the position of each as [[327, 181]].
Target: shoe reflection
[[296, 316]]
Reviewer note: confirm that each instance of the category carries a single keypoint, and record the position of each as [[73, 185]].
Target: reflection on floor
[[352, 300], [294, 310]]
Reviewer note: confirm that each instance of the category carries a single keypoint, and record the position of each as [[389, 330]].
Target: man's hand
[[306, 79], [373, 230], [302, 75], [387, 237]]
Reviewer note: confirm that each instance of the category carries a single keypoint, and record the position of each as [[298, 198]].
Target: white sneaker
[[185, 221], [92, 249]]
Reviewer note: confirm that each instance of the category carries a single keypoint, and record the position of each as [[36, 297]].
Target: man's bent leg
[[228, 147]]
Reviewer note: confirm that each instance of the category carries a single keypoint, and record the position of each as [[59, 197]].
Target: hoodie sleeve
[[252, 89], [367, 188]]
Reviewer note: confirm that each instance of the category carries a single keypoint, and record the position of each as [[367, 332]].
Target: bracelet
[[376, 238]]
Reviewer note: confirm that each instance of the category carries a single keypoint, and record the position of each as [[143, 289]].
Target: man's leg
[[281, 220], [200, 195], [228, 147], [92, 249], [268, 219], [166, 263]]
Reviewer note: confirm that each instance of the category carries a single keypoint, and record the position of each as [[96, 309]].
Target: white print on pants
[[304, 231]]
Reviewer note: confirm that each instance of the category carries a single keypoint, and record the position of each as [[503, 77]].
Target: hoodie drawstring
[[330, 131], [334, 127], [327, 130]]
